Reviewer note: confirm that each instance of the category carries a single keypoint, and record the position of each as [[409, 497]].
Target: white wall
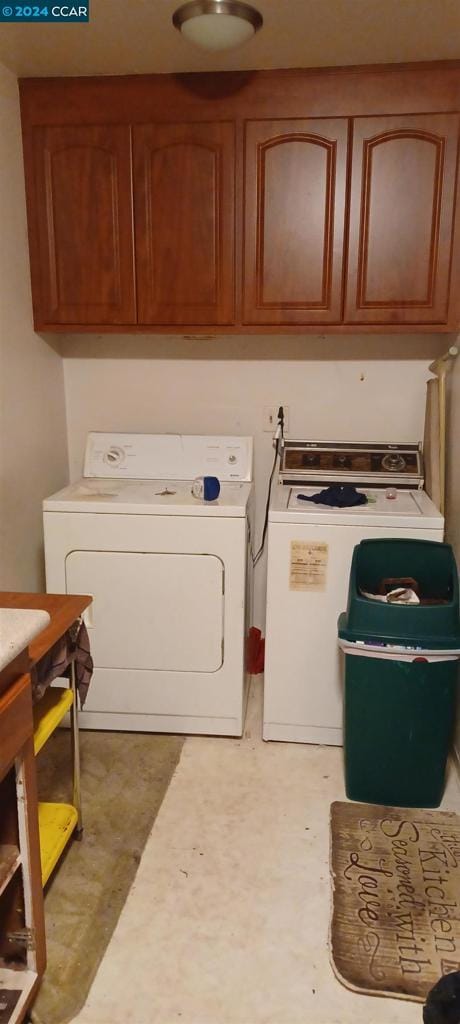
[[33, 452], [368, 388]]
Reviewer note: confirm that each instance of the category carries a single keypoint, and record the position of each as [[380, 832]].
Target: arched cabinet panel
[[295, 181], [83, 265], [401, 218], [184, 219]]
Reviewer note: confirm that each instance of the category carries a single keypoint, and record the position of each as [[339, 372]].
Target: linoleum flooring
[[227, 920]]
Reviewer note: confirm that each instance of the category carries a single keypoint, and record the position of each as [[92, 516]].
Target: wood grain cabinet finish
[[295, 183], [22, 924], [401, 219], [276, 199], [82, 248], [184, 217]]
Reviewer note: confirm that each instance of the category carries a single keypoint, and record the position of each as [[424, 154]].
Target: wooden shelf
[[10, 859], [56, 823], [49, 712], [16, 988], [21, 903]]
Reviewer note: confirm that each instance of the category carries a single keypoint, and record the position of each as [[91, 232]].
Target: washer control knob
[[232, 459], [394, 462]]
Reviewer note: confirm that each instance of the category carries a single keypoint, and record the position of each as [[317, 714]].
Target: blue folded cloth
[[337, 496]]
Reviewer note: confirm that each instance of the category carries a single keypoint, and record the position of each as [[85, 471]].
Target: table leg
[[75, 750]]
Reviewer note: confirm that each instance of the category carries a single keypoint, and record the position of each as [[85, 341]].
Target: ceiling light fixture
[[217, 24]]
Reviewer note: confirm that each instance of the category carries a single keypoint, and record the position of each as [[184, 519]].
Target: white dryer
[[310, 547], [170, 576]]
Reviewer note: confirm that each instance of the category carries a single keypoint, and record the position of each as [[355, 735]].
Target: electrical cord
[[278, 439]]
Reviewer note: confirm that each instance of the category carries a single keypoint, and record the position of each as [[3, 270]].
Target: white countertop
[[18, 626]]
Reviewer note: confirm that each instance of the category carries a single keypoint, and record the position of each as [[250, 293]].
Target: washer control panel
[[168, 456], [352, 461]]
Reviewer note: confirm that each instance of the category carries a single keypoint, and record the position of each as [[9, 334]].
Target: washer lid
[[147, 497], [408, 509]]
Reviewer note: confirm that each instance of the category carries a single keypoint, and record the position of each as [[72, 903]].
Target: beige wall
[[453, 459], [365, 388], [453, 484], [372, 388], [33, 452]]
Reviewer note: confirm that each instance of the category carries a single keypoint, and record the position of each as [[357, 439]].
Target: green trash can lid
[[428, 625]]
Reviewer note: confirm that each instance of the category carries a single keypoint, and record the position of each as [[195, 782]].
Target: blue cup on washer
[[206, 487]]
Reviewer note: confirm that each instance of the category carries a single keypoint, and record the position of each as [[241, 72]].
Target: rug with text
[[395, 925]]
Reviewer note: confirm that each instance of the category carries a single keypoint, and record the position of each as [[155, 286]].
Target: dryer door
[[152, 610]]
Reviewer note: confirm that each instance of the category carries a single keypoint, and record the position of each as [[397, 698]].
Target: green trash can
[[401, 665]]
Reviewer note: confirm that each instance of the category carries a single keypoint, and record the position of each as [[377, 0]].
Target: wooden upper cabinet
[[295, 181], [151, 215], [184, 177], [401, 218], [81, 229]]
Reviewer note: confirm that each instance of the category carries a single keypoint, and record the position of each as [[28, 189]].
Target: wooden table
[[57, 821], [32, 837], [63, 609]]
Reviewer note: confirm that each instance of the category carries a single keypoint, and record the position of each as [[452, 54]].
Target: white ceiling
[[136, 37]]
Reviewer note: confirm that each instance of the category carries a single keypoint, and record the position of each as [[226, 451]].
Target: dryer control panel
[[168, 456]]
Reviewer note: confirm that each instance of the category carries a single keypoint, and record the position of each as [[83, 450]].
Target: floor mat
[[124, 779], [396, 881]]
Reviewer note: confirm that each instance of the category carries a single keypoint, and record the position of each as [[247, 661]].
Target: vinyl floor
[[227, 920]]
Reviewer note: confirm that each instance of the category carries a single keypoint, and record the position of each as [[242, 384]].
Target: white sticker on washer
[[308, 570]]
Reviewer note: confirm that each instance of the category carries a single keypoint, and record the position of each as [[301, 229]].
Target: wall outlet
[[271, 417]]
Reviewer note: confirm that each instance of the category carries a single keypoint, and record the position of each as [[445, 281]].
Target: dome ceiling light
[[217, 24]]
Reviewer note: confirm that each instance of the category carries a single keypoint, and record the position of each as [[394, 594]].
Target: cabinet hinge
[[24, 937]]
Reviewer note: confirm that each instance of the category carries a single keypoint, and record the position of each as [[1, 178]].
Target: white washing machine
[[170, 576], [310, 547]]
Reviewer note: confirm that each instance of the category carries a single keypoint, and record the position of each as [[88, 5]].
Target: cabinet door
[[184, 212], [83, 268], [295, 180], [401, 218]]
